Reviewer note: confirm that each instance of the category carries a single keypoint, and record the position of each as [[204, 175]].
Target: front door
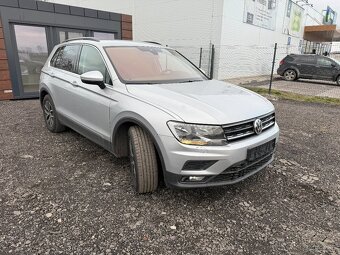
[[326, 68], [92, 104]]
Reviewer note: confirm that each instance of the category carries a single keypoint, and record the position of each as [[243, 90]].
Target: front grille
[[241, 169], [237, 131]]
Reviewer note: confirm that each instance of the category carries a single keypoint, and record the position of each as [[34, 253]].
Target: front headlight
[[193, 134]]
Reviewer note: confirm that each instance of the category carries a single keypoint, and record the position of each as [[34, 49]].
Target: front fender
[[131, 118]]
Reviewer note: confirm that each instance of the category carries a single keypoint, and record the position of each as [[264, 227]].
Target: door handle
[[74, 84]]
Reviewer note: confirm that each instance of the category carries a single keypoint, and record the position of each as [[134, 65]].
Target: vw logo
[[258, 126]]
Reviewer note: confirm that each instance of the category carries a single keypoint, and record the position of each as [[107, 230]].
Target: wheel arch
[[42, 93], [335, 77], [120, 145]]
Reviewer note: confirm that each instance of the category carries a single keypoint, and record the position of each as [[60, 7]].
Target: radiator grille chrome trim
[[245, 129]]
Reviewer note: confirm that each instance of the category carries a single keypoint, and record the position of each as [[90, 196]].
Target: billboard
[[261, 13], [330, 17], [293, 19]]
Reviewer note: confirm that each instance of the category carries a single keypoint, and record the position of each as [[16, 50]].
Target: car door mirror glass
[[93, 78]]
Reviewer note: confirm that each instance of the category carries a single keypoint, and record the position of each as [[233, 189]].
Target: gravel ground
[[62, 194]]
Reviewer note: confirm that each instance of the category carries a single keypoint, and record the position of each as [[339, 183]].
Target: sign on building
[[330, 16], [260, 13], [293, 19]]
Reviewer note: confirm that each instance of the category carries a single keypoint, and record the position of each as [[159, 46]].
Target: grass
[[295, 97]]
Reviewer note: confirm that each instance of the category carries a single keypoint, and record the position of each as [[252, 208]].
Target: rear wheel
[[338, 80], [50, 115], [143, 160], [290, 75]]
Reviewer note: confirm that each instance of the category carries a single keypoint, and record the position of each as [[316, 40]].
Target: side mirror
[[333, 65], [93, 78]]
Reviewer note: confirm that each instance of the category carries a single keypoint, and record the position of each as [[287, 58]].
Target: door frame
[[19, 80], [52, 39]]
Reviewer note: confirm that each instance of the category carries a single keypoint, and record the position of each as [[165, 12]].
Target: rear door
[[306, 65], [326, 68], [63, 73]]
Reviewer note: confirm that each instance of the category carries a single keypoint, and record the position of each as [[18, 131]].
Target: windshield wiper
[[189, 81]]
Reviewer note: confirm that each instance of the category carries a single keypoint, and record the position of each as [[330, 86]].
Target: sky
[[320, 5]]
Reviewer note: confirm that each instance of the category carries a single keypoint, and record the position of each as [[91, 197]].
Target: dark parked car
[[293, 67]]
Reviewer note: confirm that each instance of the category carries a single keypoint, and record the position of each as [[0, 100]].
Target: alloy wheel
[[290, 75], [49, 114]]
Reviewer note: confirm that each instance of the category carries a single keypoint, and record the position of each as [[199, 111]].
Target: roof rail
[[153, 42], [82, 38]]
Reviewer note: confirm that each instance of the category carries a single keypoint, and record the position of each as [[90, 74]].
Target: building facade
[[30, 29], [240, 30]]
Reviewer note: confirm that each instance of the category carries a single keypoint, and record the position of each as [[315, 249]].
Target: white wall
[[313, 17], [172, 22], [247, 50]]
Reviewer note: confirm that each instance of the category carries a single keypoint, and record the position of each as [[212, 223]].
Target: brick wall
[[5, 80], [126, 27]]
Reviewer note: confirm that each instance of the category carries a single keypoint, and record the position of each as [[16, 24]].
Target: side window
[[91, 60], [289, 59], [67, 57], [308, 59], [55, 56], [324, 62]]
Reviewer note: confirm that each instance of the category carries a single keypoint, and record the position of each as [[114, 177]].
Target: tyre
[[338, 80], [50, 115], [143, 161], [290, 75]]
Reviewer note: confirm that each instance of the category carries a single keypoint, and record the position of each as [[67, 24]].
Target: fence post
[[200, 63], [212, 59], [273, 66]]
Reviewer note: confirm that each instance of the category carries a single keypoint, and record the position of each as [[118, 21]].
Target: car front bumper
[[229, 166]]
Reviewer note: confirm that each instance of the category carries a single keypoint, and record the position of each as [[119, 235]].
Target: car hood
[[208, 102]]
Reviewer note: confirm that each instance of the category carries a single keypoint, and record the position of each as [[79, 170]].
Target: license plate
[[261, 150]]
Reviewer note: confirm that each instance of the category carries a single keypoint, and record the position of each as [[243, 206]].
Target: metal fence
[[227, 62], [235, 61], [201, 56], [257, 64]]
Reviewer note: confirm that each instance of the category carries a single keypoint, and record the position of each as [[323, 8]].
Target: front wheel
[[143, 161], [290, 75]]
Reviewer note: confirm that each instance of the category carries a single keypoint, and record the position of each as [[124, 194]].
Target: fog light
[[196, 178]]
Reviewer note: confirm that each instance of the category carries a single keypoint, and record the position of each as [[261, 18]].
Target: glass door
[[66, 34], [104, 36], [32, 54]]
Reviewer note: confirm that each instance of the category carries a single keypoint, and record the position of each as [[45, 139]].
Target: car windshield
[[151, 65]]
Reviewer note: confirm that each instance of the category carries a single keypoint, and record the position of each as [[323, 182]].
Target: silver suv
[[149, 103]]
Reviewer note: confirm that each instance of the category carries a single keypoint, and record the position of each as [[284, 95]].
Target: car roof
[[303, 55], [108, 43]]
